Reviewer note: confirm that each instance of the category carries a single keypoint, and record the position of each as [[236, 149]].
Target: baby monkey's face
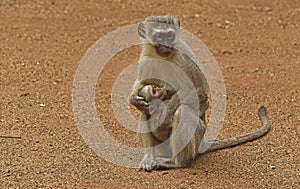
[[151, 92]]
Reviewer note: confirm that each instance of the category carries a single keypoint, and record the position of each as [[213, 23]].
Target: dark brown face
[[161, 35], [164, 42]]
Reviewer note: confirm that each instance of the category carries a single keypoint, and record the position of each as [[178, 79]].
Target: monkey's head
[[161, 32]]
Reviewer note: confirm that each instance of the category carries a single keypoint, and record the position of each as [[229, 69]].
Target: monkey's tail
[[230, 142]]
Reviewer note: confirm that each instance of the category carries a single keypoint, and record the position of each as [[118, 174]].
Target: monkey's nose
[[164, 50], [165, 47]]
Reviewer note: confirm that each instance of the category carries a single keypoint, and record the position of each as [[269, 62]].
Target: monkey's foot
[[148, 164], [165, 163]]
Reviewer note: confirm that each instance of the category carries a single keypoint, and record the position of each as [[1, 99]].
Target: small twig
[[16, 137]]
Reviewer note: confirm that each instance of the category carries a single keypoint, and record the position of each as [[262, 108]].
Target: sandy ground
[[256, 44]]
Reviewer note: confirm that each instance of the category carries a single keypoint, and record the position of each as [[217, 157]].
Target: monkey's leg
[[187, 133]]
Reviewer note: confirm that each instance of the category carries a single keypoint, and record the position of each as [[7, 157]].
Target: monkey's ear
[[178, 22], [141, 30]]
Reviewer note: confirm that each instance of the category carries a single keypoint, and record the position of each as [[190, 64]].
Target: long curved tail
[[230, 142]]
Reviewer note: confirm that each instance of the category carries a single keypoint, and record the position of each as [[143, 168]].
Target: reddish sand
[[256, 44]]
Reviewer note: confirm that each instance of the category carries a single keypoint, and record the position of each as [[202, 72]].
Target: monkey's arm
[[146, 138]]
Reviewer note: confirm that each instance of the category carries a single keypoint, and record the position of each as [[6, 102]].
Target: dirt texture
[[256, 44]]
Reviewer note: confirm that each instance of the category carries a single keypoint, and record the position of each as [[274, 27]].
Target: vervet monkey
[[166, 145]]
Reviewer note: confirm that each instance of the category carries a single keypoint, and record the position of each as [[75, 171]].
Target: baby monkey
[[150, 92], [154, 96]]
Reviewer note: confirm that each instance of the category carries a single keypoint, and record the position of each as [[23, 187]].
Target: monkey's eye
[[158, 36], [171, 35]]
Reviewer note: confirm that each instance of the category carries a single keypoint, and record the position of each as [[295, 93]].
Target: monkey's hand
[[139, 100], [148, 107], [140, 103]]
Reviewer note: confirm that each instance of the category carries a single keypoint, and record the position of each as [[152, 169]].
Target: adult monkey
[[164, 62]]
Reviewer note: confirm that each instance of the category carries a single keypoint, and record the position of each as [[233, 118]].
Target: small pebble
[[165, 173], [272, 167], [228, 52]]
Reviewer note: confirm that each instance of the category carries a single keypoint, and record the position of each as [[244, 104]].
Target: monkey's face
[[161, 36], [150, 92], [163, 41]]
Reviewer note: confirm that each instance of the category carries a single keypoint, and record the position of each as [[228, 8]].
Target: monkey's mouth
[[164, 50]]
